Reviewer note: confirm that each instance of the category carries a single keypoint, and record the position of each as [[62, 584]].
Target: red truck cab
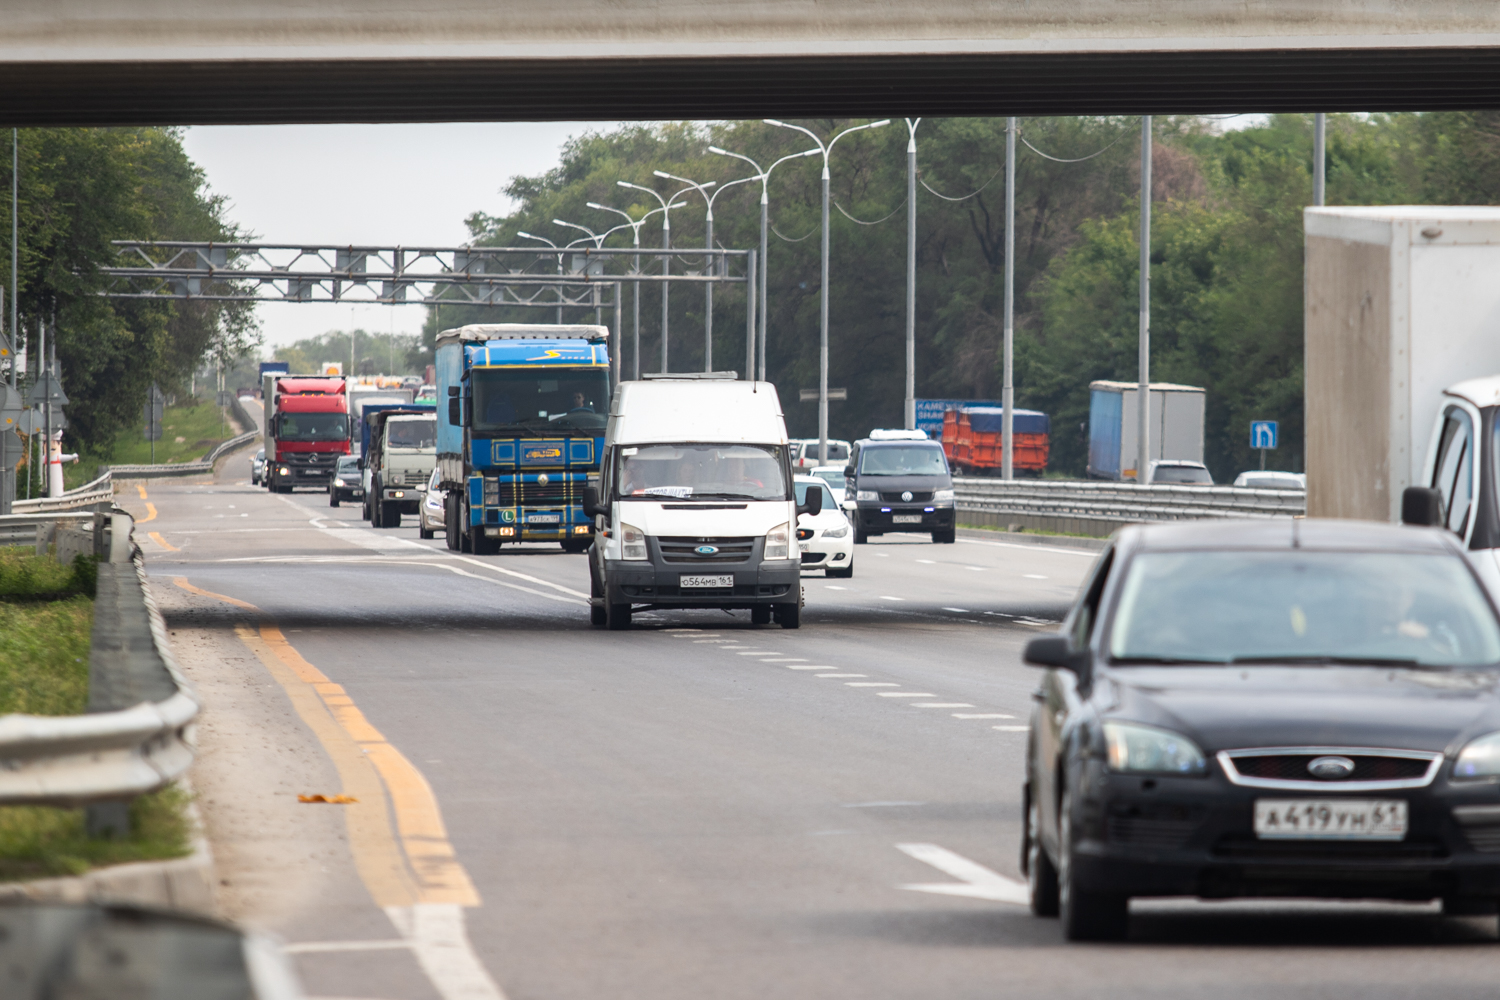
[[307, 430]]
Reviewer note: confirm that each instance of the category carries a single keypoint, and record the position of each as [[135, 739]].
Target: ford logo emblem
[[906, 496], [1331, 768], [707, 550]]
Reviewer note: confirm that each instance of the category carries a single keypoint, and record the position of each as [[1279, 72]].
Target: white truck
[[695, 506], [1403, 368]]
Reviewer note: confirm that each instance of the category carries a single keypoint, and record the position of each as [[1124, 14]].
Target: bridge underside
[[250, 91]]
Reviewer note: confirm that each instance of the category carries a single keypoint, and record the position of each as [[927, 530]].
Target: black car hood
[[1227, 708], [895, 484]]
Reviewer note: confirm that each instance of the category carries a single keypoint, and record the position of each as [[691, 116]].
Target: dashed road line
[[981, 715], [872, 684], [905, 694], [941, 704]]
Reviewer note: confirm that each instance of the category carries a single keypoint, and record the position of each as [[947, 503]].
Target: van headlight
[[632, 542], [866, 495], [942, 496], [836, 532], [776, 542], [1134, 748], [1480, 759]]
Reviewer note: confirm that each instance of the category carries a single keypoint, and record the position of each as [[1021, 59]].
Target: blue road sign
[[1263, 434]]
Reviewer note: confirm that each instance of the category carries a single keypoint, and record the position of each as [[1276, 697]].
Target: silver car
[[258, 467], [430, 511]]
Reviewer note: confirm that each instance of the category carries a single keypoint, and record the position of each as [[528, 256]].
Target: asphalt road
[[695, 808]]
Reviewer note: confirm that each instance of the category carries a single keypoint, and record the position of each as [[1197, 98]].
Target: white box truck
[[1176, 426], [695, 506]]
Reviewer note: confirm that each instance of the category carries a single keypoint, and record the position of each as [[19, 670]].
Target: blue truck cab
[[521, 416]]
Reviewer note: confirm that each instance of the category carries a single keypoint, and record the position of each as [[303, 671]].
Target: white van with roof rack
[[695, 506]]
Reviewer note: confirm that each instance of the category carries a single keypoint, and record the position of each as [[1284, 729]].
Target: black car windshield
[[313, 427], [712, 471], [420, 433], [348, 464], [910, 460], [1301, 606], [545, 400]]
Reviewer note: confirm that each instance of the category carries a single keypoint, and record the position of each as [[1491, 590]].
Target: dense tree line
[[1226, 252], [78, 190], [360, 352]]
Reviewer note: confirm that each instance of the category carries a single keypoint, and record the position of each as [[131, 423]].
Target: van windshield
[[912, 460], [702, 471], [411, 433]]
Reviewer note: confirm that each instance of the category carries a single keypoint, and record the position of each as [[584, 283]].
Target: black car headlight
[[1137, 749], [1480, 759]]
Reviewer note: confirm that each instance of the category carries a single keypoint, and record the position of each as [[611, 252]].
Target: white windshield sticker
[[665, 491]]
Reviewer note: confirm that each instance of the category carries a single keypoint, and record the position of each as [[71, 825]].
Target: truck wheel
[[390, 514], [597, 613], [860, 535], [760, 614], [480, 544], [333, 498], [451, 534], [617, 617], [945, 537], [789, 615]]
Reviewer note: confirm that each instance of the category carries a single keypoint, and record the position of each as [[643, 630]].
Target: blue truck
[[522, 410]]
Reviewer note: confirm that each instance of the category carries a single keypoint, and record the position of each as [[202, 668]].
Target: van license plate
[[1330, 819], [544, 519], [906, 518], [689, 582]]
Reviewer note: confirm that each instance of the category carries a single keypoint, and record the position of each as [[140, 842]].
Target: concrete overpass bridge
[[248, 61]]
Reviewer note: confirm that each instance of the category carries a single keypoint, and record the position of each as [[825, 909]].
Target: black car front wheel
[[1041, 874], [1087, 915]]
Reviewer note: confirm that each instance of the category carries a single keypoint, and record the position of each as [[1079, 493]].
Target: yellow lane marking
[[156, 537], [142, 490], [415, 863], [150, 514]]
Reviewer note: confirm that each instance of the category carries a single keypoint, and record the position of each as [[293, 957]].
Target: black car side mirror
[[591, 503], [1421, 505], [1055, 650], [814, 504], [848, 472]]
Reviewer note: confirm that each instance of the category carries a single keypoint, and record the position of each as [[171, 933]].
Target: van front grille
[[726, 550]]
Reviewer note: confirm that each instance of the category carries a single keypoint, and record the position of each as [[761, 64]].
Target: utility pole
[[1143, 392], [1008, 387], [911, 273], [1320, 157]]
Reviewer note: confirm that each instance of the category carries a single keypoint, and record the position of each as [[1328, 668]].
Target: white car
[[1266, 480], [1179, 472], [805, 454], [827, 540], [430, 511], [833, 475]]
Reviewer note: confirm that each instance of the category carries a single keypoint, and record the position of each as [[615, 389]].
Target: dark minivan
[[899, 481]]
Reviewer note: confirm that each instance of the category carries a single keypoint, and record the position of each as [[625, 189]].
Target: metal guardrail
[[95, 495], [136, 736], [203, 466], [1123, 502]]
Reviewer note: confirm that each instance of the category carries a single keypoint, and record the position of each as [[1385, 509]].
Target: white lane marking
[[1033, 576], [441, 944], [390, 561], [1090, 553], [873, 684], [975, 880], [830, 586], [999, 614], [813, 666], [841, 675], [883, 555], [941, 704], [981, 715], [906, 694], [960, 611], [928, 562], [887, 597], [713, 642], [1013, 729], [975, 569], [669, 631], [755, 652], [786, 659], [310, 947]]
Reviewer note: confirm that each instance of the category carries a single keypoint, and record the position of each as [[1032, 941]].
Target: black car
[[900, 483], [1267, 708], [347, 482]]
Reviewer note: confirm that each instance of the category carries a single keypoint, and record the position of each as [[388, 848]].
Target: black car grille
[[683, 550], [917, 496], [1160, 827], [553, 494], [1328, 850], [1367, 767]]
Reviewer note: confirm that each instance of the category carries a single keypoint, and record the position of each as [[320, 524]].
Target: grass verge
[[1028, 531], [42, 842], [44, 656]]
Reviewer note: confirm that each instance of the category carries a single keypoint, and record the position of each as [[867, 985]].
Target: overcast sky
[[406, 184]]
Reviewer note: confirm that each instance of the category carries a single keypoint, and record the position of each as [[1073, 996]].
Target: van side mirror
[[456, 411], [1055, 650], [1422, 505], [848, 472], [591, 505], [453, 390], [814, 505]]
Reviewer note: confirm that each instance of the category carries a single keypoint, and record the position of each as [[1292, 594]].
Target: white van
[[695, 506]]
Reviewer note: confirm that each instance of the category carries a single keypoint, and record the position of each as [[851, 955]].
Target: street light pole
[[543, 239], [911, 273], [635, 230], [826, 149], [708, 289], [666, 259], [1143, 390], [764, 176], [1320, 156], [1008, 387]]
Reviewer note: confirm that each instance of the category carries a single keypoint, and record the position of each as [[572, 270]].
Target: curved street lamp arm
[[810, 134]]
